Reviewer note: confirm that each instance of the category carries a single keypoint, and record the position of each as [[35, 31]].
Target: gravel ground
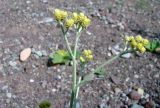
[[30, 23]]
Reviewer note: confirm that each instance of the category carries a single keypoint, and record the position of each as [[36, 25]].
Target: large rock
[[25, 53], [134, 95]]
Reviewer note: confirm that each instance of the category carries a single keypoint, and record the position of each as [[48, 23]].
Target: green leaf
[[60, 57], [100, 72], [45, 104], [88, 77], [153, 45]]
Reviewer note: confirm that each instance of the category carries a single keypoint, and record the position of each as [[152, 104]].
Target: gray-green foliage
[[143, 5]]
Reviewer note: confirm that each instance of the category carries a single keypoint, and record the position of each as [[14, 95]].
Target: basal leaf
[[60, 57], [100, 72], [153, 45]]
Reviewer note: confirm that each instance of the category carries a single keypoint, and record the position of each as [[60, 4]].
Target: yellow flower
[[82, 59], [69, 23], [133, 43], [75, 17], [142, 50], [57, 14], [139, 38], [87, 52], [139, 45], [86, 22], [131, 38], [64, 14], [60, 15], [81, 17], [145, 42], [89, 57]]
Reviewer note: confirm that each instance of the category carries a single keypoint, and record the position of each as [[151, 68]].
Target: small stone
[[136, 106], [134, 95], [136, 76], [128, 55], [44, 1], [28, 2], [44, 84], [117, 91], [140, 91], [24, 55], [149, 104], [12, 63], [31, 80], [115, 79], [89, 33], [46, 20], [9, 95], [53, 90], [109, 54]]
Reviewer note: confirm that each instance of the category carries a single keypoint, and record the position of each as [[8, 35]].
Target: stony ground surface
[[30, 23]]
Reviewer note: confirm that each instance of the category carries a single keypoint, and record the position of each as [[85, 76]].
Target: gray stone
[[136, 106], [9, 95]]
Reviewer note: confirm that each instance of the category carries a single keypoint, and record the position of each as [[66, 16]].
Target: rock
[[31, 80], [140, 91], [134, 95], [24, 55], [117, 91], [115, 79], [44, 1], [46, 20], [12, 63], [102, 105], [44, 84], [149, 104], [136, 106], [9, 95], [128, 55]]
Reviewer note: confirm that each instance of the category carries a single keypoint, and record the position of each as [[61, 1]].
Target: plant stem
[[74, 74]]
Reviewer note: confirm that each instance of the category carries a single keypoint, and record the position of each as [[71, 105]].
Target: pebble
[[54, 90], [117, 91], [28, 2], [25, 53], [134, 95], [136, 76], [13, 63], [31, 80], [115, 79], [46, 20], [128, 55], [9, 95], [136, 106], [44, 1], [140, 91], [149, 104]]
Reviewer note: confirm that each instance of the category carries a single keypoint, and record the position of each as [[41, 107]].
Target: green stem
[[105, 63], [74, 74], [112, 59], [66, 39]]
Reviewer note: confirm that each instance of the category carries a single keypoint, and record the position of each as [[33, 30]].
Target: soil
[[30, 23]]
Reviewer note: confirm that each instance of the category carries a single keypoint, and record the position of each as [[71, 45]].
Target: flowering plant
[[80, 22]]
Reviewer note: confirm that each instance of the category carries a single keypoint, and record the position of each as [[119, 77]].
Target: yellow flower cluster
[[137, 42], [69, 23], [60, 14], [87, 56], [76, 18]]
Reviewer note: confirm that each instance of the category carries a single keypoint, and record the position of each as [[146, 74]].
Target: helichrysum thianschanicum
[[137, 43], [60, 14], [87, 56], [69, 23], [76, 18]]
